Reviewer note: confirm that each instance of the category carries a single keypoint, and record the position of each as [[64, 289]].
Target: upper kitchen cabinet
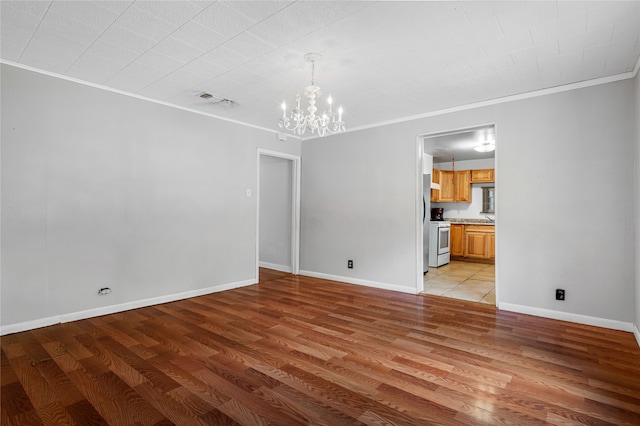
[[483, 176], [455, 186], [435, 178], [446, 194], [462, 185]]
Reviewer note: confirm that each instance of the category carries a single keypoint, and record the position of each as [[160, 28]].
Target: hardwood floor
[[298, 350]]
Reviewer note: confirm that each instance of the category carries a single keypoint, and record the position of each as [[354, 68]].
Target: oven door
[[443, 239]]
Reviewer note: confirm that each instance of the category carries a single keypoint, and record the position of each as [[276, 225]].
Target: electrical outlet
[[350, 264], [559, 294]]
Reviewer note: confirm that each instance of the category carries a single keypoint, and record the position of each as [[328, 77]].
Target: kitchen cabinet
[[462, 186], [456, 235], [435, 178], [455, 186], [473, 242], [446, 193], [479, 242], [483, 176]]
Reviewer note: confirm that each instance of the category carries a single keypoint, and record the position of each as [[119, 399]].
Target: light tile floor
[[462, 280]]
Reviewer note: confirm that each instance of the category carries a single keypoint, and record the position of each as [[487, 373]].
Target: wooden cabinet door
[[462, 185], [476, 244], [435, 176], [482, 176], [447, 191], [457, 240]]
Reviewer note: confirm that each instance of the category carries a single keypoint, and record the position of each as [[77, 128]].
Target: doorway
[[464, 161], [278, 212]]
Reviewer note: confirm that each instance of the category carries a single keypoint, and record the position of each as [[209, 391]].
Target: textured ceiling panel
[[381, 60]]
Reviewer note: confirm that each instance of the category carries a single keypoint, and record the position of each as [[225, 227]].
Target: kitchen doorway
[[462, 194], [278, 212]]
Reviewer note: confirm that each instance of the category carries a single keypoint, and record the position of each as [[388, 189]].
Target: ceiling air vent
[[216, 100]]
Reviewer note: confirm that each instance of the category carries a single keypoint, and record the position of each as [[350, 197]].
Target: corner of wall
[[637, 201]]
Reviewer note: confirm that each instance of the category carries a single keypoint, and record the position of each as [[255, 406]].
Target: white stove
[[439, 242]]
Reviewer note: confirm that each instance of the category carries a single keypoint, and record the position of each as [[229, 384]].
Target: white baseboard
[[29, 325], [349, 280], [112, 309], [567, 316], [636, 332], [276, 267]]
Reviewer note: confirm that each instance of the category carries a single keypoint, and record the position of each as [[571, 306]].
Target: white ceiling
[[459, 145], [381, 60]]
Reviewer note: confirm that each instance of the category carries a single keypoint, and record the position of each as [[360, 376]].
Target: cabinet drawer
[[480, 228]]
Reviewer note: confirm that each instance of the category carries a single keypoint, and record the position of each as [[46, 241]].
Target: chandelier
[[298, 122]]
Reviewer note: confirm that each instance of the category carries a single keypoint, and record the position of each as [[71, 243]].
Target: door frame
[[420, 151], [295, 208]]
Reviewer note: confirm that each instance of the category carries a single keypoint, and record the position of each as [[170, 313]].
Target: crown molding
[[496, 101], [511, 98], [133, 95]]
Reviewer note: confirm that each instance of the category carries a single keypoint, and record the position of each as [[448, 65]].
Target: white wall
[[275, 212], [359, 203], [637, 210], [562, 158], [105, 190], [472, 210]]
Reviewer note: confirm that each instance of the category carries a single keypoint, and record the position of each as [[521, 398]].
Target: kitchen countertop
[[459, 221]]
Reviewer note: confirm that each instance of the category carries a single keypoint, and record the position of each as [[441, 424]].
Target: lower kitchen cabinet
[[473, 242], [457, 240], [479, 241]]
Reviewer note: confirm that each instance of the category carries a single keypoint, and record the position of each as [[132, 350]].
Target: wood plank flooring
[[297, 350]]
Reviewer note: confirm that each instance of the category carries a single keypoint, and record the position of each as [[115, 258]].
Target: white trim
[[140, 97], [568, 316], [275, 267], [112, 309], [419, 214], [496, 216], [367, 283], [533, 94], [636, 332], [421, 139], [295, 208], [29, 325], [497, 101]]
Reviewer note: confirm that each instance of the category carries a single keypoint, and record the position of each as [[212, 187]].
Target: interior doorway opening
[[459, 194], [278, 212]]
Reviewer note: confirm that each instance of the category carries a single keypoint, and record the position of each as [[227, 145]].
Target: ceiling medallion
[[298, 122]]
